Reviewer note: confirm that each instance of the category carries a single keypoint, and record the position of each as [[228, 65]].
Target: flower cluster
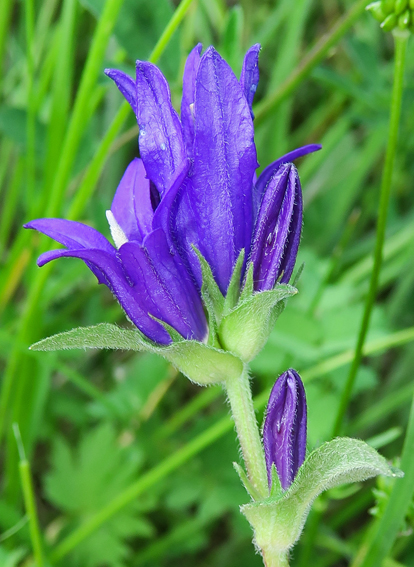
[[193, 188], [393, 14]]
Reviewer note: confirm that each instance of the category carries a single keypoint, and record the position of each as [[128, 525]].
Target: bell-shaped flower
[[217, 207], [284, 430], [143, 271], [194, 189]]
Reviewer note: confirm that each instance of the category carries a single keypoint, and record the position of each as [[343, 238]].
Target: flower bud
[[278, 228], [284, 431]]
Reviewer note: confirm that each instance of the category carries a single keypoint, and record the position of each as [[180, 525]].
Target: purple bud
[[278, 228], [284, 431]]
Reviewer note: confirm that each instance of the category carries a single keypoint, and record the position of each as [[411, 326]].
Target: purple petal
[[249, 77], [284, 431], [267, 173], [132, 297], [215, 212], [163, 216], [295, 231], [171, 296], [274, 237], [131, 206], [125, 84], [160, 137], [74, 235], [187, 102], [71, 234]]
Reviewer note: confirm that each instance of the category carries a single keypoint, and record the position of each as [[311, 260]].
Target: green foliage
[[64, 400], [82, 480], [279, 520]]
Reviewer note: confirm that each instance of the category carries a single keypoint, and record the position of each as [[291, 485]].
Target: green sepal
[[245, 330], [175, 336], [389, 23], [248, 287], [201, 363], [278, 521], [276, 490], [298, 275], [233, 291], [246, 482], [213, 299], [209, 289], [376, 11], [400, 6]]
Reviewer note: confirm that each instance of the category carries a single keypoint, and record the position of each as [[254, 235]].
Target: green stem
[[313, 57], [31, 110], [401, 38], [275, 560], [382, 538], [241, 403], [29, 500], [80, 114]]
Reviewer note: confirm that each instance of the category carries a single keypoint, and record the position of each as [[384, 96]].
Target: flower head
[[194, 187], [221, 208], [284, 431]]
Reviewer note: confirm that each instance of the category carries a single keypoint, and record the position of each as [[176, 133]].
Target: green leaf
[[233, 291], [201, 363], [102, 336], [278, 521], [83, 480], [245, 330]]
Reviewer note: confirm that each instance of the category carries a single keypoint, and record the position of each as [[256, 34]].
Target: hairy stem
[[272, 560], [241, 403], [397, 91]]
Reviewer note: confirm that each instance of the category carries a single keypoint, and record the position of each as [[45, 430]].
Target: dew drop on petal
[[253, 88], [163, 146]]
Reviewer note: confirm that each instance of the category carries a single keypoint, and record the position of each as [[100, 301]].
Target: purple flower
[[145, 274], [194, 187], [220, 208], [284, 431]]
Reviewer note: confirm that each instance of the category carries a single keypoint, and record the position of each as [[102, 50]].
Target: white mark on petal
[[118, 235]]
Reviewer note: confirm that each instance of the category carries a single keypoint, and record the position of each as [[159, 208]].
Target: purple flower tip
[[284, 431], [278, 227]]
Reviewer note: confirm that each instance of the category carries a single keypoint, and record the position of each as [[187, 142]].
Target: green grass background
[[130, 463]]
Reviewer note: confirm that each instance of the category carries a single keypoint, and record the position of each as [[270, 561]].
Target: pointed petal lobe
[[160, 134], [187, 102], [125, 84], [217, 201], [249, 77]]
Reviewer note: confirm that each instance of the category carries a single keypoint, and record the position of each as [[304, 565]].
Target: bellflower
[[220, 207], [193, 188], [284, 431]]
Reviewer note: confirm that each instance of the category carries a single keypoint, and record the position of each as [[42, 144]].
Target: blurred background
[[131, 463]]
